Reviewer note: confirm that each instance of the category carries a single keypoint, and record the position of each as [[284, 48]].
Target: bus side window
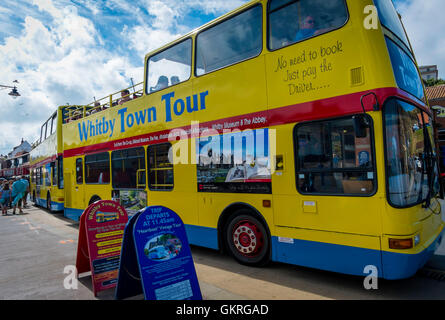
[[128, 168], [294, 21], [54, 173], [331, 159], [160, 170], [54, 123], [97, 168], [37, 175], [60, 170], [47, 174], [79, 171]]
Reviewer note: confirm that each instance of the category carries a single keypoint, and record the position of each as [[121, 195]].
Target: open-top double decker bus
[[46, 166], [285, 130]]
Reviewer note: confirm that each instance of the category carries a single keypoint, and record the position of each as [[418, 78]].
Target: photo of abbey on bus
[[232, 161]]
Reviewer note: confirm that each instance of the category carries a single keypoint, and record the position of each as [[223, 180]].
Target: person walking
[[5, 198], [18, 191], [24, 199]]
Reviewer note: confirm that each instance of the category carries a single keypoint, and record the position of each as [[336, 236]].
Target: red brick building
[[436, 98]]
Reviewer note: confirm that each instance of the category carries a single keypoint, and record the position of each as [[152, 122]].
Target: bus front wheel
[[247, 239]]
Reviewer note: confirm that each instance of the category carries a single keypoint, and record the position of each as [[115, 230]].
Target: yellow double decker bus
[[46, 166], [290, 131]]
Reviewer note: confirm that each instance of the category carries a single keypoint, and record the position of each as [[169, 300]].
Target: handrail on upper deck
[[79, 112]]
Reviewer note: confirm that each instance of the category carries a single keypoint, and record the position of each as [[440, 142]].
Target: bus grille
[[357, 76]]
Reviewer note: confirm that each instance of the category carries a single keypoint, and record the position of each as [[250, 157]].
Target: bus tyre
[[247, 239], [48, 202], [94, 199]]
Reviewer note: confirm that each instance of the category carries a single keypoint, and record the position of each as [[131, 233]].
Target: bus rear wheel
[[48, 202], [94, 199], [247, 239]]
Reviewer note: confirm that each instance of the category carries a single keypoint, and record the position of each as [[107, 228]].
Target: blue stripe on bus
[[202, 236], [320, 255], [73, 214], [331, 257], [326, 256], [399, 265], [352, 260], [55, 206]]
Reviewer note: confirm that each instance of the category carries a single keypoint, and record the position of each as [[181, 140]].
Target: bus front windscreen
[[411, 169]]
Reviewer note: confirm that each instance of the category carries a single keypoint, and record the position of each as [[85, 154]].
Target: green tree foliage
[[433, 82]]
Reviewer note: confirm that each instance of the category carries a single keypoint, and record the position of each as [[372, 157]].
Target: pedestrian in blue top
[[5, 199], [18, 191], [25, 195]]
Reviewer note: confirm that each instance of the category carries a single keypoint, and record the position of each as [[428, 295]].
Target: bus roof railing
[[77, 112]]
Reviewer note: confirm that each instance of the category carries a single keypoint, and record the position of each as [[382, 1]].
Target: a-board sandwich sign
[[156, 242], [100, 239]]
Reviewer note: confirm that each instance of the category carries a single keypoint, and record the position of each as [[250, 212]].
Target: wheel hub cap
[[246, 238]]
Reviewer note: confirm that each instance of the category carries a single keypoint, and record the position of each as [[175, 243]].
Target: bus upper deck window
[[291, 21], [390, 19], [231, 41], [169, 67], [405, 70]]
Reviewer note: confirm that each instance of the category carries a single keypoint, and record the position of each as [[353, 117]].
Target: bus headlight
[[416, 239]]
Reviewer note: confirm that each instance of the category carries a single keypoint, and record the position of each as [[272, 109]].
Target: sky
[[72, 51]]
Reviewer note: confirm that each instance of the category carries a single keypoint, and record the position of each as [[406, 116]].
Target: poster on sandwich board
[[160, 248], [100, 238]]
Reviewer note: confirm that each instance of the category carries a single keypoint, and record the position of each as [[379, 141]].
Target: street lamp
[[14, 93]]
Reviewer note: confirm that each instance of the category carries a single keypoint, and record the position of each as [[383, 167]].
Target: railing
[[73, 113]]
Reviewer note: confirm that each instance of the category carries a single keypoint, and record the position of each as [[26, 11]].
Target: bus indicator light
[[400, 243]]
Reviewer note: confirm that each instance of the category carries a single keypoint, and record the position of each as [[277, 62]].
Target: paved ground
[[36, 247]]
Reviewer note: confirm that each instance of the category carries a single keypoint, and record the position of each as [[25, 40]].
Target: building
[[429, 72], [436, 95], [17, 161], [436, 99], [24, 146]]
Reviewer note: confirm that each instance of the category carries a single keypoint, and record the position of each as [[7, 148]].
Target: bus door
[[68, 190], [325, 185], [78, 195]]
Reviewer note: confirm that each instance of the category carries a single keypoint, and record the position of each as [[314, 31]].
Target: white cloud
[[214, 6], [144, 39], [57, 61], [424, 25], [62, 53]]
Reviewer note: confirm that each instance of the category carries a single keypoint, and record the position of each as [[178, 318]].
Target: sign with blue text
[[161, 250], [164, 257]]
